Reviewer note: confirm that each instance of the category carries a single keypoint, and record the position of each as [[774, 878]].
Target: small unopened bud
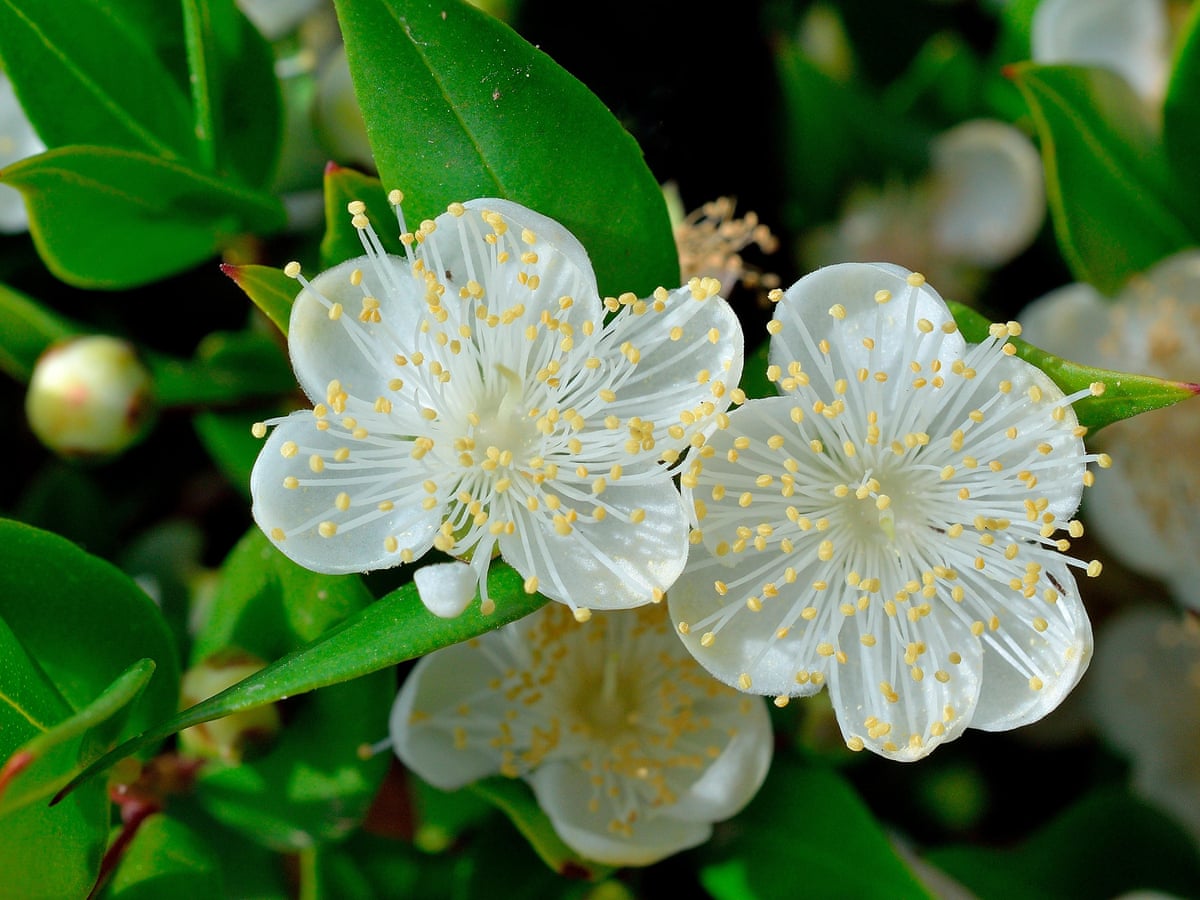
[[234, 736], [90, 396]]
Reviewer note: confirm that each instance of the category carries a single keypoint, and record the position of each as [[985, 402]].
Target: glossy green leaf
[[121, 93], [310, 786], [84, 621], [229, 367], [55, 852], [1125, 394], [807, 822], [235, 96], [29, 328], [1105, 177], [458, 106], [517, 802], [268, 289], [166, 859], [109, 218], [393, 629], [1181, 119], [1106, 845], [341, 241], [52, 757]]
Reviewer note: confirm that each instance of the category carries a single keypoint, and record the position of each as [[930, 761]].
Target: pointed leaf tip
[[16, 764]]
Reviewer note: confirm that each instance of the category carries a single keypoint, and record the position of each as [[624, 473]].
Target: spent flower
[[631, 748], [890, 525], [478, 396]]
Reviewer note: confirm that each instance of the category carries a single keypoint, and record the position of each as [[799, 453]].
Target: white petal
[[915, 688], [809, 312], [690, 353], [612, 564], [1126, 36], [1070, 322], [575, 265], [359, 355], [362, 528], [735, 776], [446, 588], [1035, 655], [745, 644], [1144, 689], [17, 141], [428, 728], [564, 791], [989, 200]]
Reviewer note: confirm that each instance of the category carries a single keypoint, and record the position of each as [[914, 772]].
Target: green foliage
[[447, 126], [1113, 206], [165, 123], [1107, 844], [844, 853]]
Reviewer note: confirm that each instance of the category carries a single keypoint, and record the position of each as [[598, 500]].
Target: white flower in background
[[981, 204], [479, 397], [278, 18], [1129, 37], [17, 141], [631, 749], [1144, 695], [890, 526], [1147, 509]]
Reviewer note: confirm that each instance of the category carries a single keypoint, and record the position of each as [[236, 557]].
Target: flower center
[[505, 429], [609, 708]]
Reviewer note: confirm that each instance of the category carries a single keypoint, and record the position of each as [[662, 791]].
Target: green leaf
[[52, 757], [341, 241], [1181, 119], [458, 106], [807, 819], [109, 218], [310, 786], [1125, 395], [235, 96], [55, 852], [29, 328], [1105, 178], [269, 289], [395, 628], [70, 625], [517, 802], [166, 859], [229, 367], [1107, 844], [84, 621], [120, 92]]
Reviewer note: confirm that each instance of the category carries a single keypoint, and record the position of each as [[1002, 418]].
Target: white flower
[[1129, 37], [480, 397], [632, 750], [1147, 509], [1144, 693], [17, 141], [981, 203], [889, 525]]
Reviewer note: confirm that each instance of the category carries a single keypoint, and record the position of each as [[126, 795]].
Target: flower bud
[[89, 396], [231, 737]]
